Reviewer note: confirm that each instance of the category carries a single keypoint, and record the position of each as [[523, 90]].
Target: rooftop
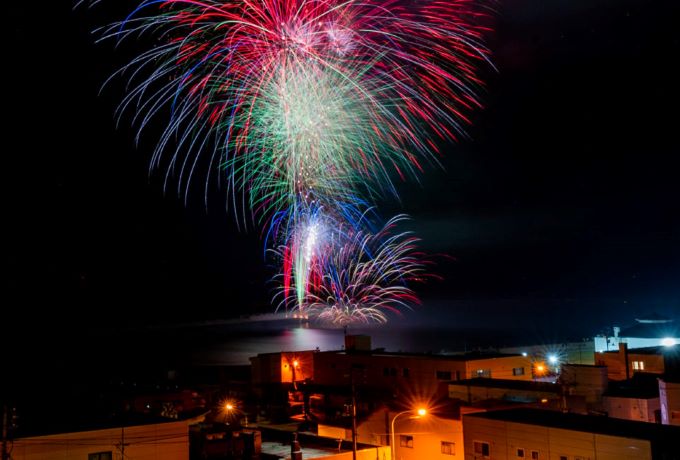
[[658, 350], [584, 423], [75, 424], [471, 356], [526, 385]]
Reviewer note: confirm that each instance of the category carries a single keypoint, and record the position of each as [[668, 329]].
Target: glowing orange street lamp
[[228, 409], [420, 412]]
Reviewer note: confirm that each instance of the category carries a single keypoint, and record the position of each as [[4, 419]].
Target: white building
[[651, 331]]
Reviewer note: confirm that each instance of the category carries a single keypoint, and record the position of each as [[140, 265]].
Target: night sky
[[562, 208]]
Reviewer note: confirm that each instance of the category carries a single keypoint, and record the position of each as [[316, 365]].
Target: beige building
[[159, 441], [536, 434], [431, 437]]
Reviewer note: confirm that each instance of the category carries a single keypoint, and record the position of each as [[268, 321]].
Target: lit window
[[534, 455], [406, 441], [448, 448], [520, 452], [517, 371], [638, 365], [482, 449], [100, 456], [486, 373]]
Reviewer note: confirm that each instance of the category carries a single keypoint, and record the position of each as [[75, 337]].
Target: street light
[[419, 413], [228, 408]]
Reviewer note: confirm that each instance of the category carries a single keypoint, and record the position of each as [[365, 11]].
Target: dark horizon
[[562, 207]]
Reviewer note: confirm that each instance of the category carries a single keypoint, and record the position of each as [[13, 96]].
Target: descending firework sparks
[[359, 278], [304, 96]]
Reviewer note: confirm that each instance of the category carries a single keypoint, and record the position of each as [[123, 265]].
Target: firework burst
[[354, 276], [299, 95]]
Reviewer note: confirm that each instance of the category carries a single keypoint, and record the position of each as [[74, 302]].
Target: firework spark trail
[[340, 276], [327, 95]]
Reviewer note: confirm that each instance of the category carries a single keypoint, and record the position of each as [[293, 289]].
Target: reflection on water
[[235, 345], [238, 348]]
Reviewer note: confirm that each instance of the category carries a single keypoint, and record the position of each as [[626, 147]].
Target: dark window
[[517, 371], [393, 372], [457, 375], [406, 441], [386, 371], [564, 457], [100, 456], [520, 453], [448, 448], [406, 372], [481, 449], [534, 455], [444, 375]]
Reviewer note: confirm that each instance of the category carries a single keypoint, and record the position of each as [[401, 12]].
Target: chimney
[[623, 353], [617, 330], [355, 342]]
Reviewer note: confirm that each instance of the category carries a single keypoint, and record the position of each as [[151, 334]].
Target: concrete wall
[[371, 453], [669, 395], [637, 409], [472, 394], [587, 381], [505, 438], [165, 441]]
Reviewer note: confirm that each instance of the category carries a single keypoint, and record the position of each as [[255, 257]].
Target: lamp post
[[419, 413], [228, 408]]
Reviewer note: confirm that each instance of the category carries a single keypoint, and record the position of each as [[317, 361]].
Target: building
[[423, 377], [434, 436], [284, 445], [282, 367], [584, 385], [475, 390], [669, 400], [419, 375], [536, 434], [637, 403], [650, 331], [167, 440], [557, 354], [623, 363]]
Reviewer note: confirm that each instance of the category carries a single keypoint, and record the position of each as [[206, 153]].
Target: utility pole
[[354, 417], [5, 418]]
